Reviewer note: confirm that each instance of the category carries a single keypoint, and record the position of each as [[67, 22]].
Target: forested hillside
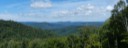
[[72, 41], [13, 30]]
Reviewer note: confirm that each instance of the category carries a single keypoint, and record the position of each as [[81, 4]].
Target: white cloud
[[18, 16], [109, 8], [41, 4], [8, 16], [85, 12], [86, 7], [89, 6], [82, 10], [64, 12], [60, 13]]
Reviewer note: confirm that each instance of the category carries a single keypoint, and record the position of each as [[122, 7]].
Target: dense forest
[[113, 34]]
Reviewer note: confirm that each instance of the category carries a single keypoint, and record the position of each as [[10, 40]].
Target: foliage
[[13, 30]]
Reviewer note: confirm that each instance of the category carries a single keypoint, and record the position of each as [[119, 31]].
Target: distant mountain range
[[59, 25], [63, 28]]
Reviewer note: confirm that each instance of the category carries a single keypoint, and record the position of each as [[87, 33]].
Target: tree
[[117, 26]]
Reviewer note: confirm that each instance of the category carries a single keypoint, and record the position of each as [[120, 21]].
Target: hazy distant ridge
[[56, 25]]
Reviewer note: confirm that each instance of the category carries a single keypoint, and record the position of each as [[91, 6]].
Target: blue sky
[[56, 10]]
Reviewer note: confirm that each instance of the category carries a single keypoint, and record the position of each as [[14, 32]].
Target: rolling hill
[[58, 25], [62, 28], [13, 30]]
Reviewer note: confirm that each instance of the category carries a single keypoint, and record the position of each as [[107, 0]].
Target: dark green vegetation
[[113, 34], [13, 30]]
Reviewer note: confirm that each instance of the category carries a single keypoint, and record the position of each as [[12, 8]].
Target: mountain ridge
[[63, 28], [57, 25]]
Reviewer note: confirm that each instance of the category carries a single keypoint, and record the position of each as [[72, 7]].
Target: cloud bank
[[41, 4]]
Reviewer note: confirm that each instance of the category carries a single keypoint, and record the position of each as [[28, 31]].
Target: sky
[[56, 10]]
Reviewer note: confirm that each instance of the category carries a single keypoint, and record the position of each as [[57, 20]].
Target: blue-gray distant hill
[[58, 25], [63, 28]]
